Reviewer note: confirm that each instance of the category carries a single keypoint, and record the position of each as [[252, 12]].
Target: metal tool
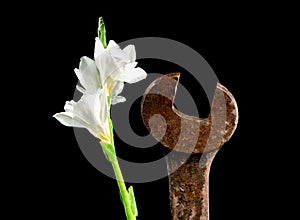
[[194, 140]]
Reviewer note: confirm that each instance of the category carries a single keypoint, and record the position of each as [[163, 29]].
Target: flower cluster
[[102, 80]]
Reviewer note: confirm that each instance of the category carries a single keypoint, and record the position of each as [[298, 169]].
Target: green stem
[[123, 190], [110, 152]]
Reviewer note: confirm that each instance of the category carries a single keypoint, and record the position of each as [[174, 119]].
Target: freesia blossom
[[110, 69], [101, 78], [89, 112]]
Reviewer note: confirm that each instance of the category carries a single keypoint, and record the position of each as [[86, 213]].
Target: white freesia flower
[[111, 68], [100, 78], [116, 63], [89, 112]]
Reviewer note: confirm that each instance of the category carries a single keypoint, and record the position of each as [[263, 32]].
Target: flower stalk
[[127, 196]]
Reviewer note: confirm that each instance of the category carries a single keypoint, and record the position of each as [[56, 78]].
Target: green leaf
[[102, 32], [132, 201], [109, 150]]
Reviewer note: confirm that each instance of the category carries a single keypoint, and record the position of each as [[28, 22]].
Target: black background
[[60, 182]]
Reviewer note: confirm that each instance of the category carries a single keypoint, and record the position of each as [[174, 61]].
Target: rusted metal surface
[[195, 141]]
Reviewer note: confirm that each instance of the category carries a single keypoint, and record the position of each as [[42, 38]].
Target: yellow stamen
[[104, 138], [108, 89]]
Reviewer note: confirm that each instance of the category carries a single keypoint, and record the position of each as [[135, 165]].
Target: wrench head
[[185, 133]]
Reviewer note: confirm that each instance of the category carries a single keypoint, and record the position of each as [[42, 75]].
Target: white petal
[[87, 74], [132, 75], [66, 118], [131, 65], [69, 106], [103, 107], [87, 108], [89, 112], [115, 75], [117, 99], [113, 59], [111, 44], [114, 86], [92, 109], [107, 64], [117, 88], [118, 55], [85, 62], [80, 89], [99, 49], [130, 52], [103, 113]]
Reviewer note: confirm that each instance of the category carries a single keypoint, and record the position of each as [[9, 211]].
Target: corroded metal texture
[[188, 186], [195, 141], [182, 132]]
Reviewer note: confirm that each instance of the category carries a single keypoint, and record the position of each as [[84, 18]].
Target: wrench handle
[[188, 185]]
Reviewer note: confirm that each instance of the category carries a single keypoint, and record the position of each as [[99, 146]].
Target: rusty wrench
[[197, 140]]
